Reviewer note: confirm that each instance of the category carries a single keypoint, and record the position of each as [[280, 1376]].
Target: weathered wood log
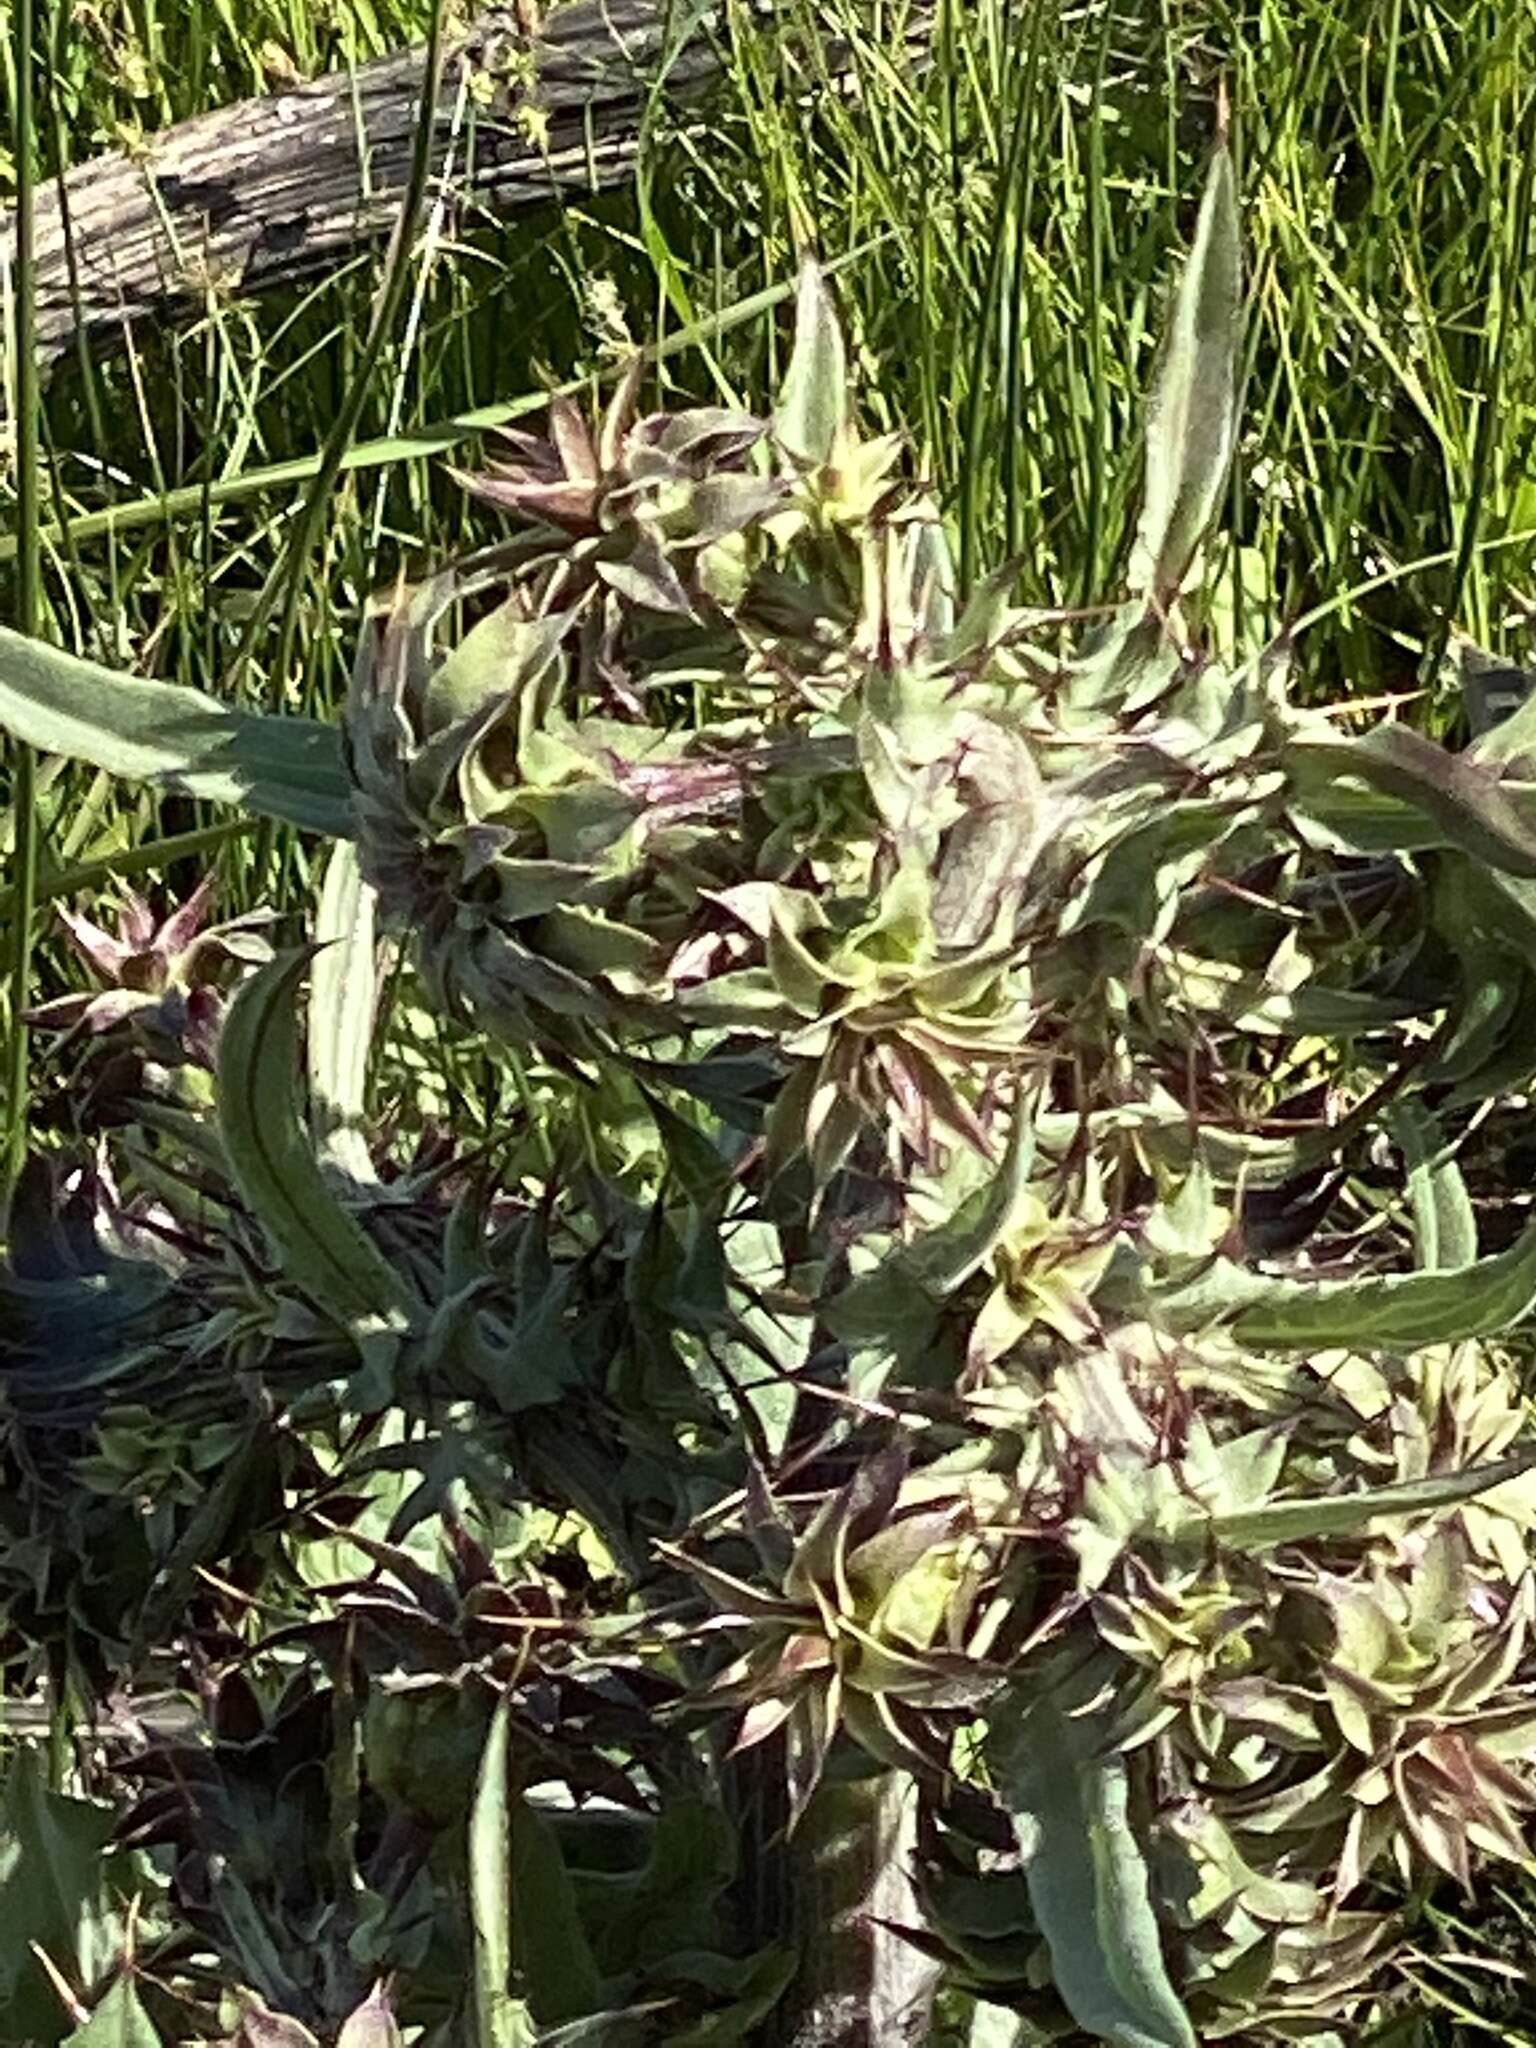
[[272, 191]]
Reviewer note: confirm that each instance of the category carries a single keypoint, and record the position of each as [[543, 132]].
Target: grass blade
[[29, 574], [195, 501]]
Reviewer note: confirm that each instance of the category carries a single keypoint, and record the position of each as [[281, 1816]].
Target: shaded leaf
[[322, 1248], [502, 2020], [53, 1872], [119, 2021], [551, 1954], [1500, 701], [859, 1984], [1468, 806]]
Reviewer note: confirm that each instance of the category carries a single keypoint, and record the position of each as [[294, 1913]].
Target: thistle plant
[[1005, 1343]]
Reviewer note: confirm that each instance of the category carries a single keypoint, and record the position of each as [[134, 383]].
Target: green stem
[[29, 607]]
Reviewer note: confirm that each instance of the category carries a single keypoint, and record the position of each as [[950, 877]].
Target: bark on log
[[271, 191]]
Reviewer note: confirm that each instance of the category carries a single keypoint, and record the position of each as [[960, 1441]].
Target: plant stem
[[24, 799]]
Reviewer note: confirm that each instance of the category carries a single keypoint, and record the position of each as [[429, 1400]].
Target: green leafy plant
[[991, 1450]]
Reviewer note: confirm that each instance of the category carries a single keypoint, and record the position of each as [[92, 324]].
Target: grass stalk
[[29, 593]]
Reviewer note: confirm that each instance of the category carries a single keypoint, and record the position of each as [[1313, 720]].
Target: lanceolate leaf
[[1445, 1227], [1468, 806], [502, 2020], [812, 412], [1393, 1311], [1194, 402], [54, 1875], [1298, 1521], [947, 1256], [343, 990], [553, 1957], [1088, 1881], [173, 737], [321, 1247]]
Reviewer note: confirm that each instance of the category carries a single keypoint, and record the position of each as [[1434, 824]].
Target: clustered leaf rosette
[[163, 983], [1283, 1608], [833, 849], [1286, 1607], [869, 1628], [1085, 976], [1058, 1373], [725, 757]]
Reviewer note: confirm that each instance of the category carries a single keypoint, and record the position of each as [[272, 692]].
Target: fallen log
[[273, 191]]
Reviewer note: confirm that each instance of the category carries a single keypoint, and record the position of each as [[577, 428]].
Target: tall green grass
[[1034, 176]]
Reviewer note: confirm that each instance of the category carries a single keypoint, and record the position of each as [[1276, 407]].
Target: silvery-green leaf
[[1469, 807], [1130, 660], [1300, 1521], [647, 579], [343, 990], [986, 614], [989, 850], [1386, 1312], [1194, 401], [932, 569], [943, 1258], [1445, 1226], [1347, 818], [1087, 1876], [502, 657], [813, 411], [173, 737]]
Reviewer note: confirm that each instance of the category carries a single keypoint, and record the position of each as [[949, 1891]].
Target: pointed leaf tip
[[812, 413], [1193, 410]]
